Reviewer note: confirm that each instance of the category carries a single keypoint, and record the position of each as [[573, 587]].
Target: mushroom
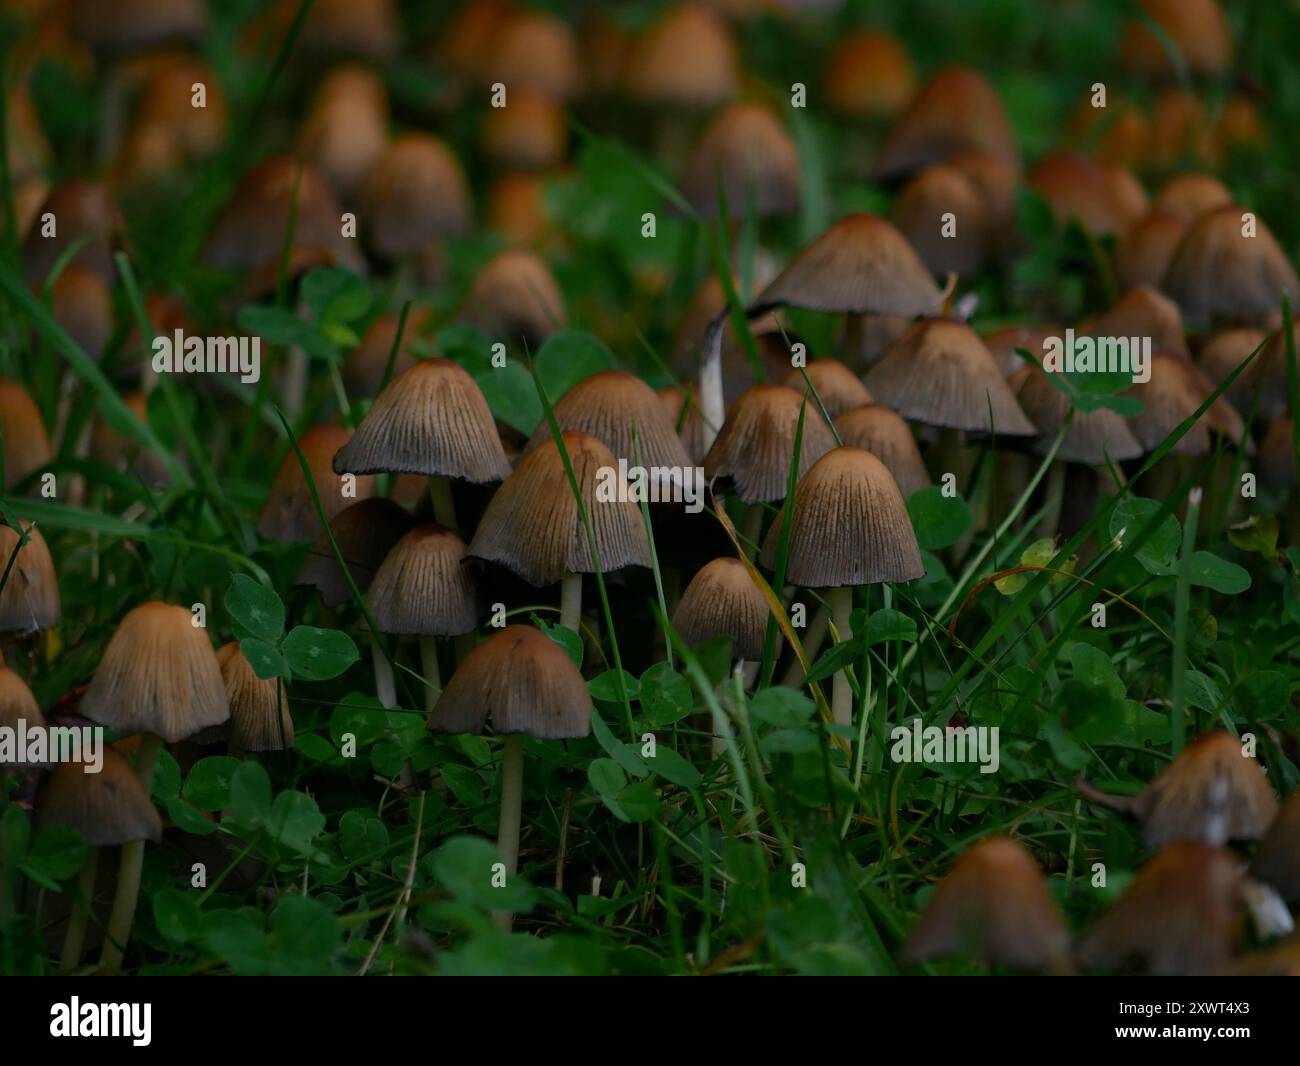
[[885, 435], [869, 75], [347, 127], [1003, 344], [1143, 252], [17, 707], [367, 29], [834, 383], [90, 229], [1187, 197], [1277, 860], [1141, 312], [289, 513], [1195, 30], [1104, 201], [747, 154], [1226, 350], [678, 403], [921, 215], [259, 707], [515, 297], [533, 52], [365, 533], [29, 599], [529, 133]]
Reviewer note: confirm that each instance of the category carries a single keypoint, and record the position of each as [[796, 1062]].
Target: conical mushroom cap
[[26, 444], [158, 675], [940, 373], [534, 52], [1226, 350], [532, 525], [364, 28], [850, 525], [424, 586], [837, 385], [515, 295], [1102, 200], [289, 513], [1143, 253], [869, 74], [1217, 270], [861, 264], [1094, 437], [1180, 916], [686, 60], [1002, 344], [919, 214], [1277, 861], [521, 681], [87, 216], [431, 420], [885, 435], [530, 134], [993, 904], [414, 195], [1211, 793], [1141, 312], [609, 405], [259, 707], [1196, 29], [756, 444], [83, 306], [1174, 392], [748, 151], [1188, 196], [364, 366], [365, 532], [17, 704], [108, 809], [347, 127], [723, 601], [30, 598], [1266, 378]]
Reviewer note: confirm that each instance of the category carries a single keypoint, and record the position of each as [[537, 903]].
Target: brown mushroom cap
[[521, 681], [1141, 312], [17, 704], [1094, 437], [532, 525], [83, 306], [26, 444], [723, 601], [1266, 378], [529, 133], [1105, 201], [289, 513], [367, 29], [131, 25], [885, 435], [940, 373], [756, 443], [30, 598], [919, 214], [850, 525], [869, 74], [534, 52], [1002, 344], [431, 420], [516, 295], [747, 152], [364, 366], [1174, 392], [1277, 860], [689, 426], [687, 59], [993, 904], [347, 128], [87, 215], [1197, 29], [1143, 253], [365, 532], [414, 195], [1188, 196], [424, 587], [1226, 350], [837, 385], [1277, 458], [109, 808], [259, 707]]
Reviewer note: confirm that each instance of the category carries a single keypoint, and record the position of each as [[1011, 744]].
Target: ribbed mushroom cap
[[955, 109], [1216, 270], [723, 601], [1094, 437], [919, 214], [1176, 389], [1102, 200], [259, 707], [1002, 344], [516, 295], [690, 423], [870, 74], [430, 420], [885, 435], [521, 681], [534, 52], [424, 587], [347, 128], [1197, 30], [861, 264], [850, 525], [756, 443], [289, 513], [940, 373], [1277, 458], [1141, 312], [992, 905], [414, 195], [17, 704], [30, 598], [250, 232], [687, 59], [1180, 916], [85, 212], [131, 25], [1277, 860], [1226, 350], [529, 133], [82, 306], [609, 405], [1188, 196], [109, 808], [364, 367], [367, 29], [836, 384], [748, 152], [365, 532], [158, 675], [532, 525], [1143, 253], [26, 444]]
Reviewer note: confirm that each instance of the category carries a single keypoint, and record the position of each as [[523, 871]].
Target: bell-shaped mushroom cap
[[992, 905], [1265, 381], [610, 406], [1180, 916], [424, 587], [1143, 253], [1094, 437], [940, 373], [529, 133], [850, 525], [109, 808], [748, 153], [756, 443], [17, 704], [869, 74], [836, 384], [861, 264], [723, 601], [347, 128], [534, 52], [998, 183], [414, 194], [1104, 201], [1141, 312], [687, 59], [885, 435], [88, 217], [1277, 861], [471, 34], [1212, 793], [26, 444], [1188, 196], [532, 525], [1197, 30], [517, 208], [30, 598], [365, 365], [678, 403], [365, 532], [1226, 350], [1218, 270], [520, 680], [431, 420], [131, 25], [1174, 392], [366, 29], [1002, 344], [259, 707], [919, 214], [955, 109], [289, 513], [158, 675], [516, 295], [83, 306], [1277, 458], [250, 232]]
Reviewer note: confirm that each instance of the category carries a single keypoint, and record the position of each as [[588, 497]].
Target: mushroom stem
[[295, 381], [712, 406], [444, 509], [385, 686], [512, 800], [812, 644], [1052, 502], [122, 916], [842, 694], [429, 665], [571, 601], [751, 528], [75, 938]]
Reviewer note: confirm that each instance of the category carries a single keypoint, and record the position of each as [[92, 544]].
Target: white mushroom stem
[[512, 801], [75, 938], [1054, 498], [385, 686], [122, 916], [842, 694], [571, 601], [429, 665], [712, 406], [444, 509]]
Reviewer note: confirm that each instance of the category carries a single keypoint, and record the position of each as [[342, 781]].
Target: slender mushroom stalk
[[385, 684], [429, 667], [122, 916], [444, 508], [842, 693], [75, 937], [571, 601]]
